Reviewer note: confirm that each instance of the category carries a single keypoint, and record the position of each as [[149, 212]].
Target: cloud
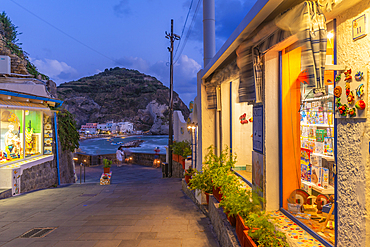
[[122, 8], [133, 63], [57, 71]]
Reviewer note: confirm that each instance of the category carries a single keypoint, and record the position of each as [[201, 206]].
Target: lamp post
[[192, 127]]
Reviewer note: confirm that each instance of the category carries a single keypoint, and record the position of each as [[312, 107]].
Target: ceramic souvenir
[[352, 112], [348, 75], [337, 91], [360, 90], [360, 105], [343, 110], [348, 88], [350, 98], [359, 75], [337, 79]]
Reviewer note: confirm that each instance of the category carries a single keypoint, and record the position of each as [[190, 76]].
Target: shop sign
[[258, 128]]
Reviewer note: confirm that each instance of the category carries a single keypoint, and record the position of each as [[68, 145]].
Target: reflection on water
[[104, 145]]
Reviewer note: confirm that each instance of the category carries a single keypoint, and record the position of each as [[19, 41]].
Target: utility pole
[[172, 37]]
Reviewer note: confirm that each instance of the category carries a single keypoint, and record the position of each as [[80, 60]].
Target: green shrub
[[182, 148]]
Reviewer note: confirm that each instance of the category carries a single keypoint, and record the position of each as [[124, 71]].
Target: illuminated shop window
[[33, 133], [11, 135], [308, 144]]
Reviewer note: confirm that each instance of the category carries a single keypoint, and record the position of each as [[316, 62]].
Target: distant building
[[126, 127], [89, 128]]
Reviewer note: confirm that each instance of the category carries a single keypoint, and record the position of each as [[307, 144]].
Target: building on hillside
[[89, 128], [30, 157], [126, 127], [297, 131]]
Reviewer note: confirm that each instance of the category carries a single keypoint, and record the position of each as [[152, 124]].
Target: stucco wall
[[353, 138], [178, 123]]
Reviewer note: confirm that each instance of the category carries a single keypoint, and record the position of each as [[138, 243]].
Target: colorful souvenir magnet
[[359, 75], [343, 110], [338, 103], [251, 119], [360, 90], [337, 91], [360, 105], [348, 75], [352, 112], [350, 98], [348, 88], [337, 79]]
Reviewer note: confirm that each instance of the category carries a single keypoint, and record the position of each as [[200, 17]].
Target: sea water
[[109, 145]]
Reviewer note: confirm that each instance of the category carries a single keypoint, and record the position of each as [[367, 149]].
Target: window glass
[[308, 145], [11, 135], [33, 133]]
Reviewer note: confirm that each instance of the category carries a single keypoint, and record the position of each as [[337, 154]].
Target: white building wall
[[353, 141], [180, 131]]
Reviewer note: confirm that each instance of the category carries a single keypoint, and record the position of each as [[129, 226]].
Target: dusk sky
[[68, 40]]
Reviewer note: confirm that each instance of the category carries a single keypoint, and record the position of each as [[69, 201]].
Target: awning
[[22, 105]]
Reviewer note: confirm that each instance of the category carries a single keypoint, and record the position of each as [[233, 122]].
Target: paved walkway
[[139, 208]]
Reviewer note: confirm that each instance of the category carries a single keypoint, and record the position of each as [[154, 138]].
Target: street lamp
[[192, 126]]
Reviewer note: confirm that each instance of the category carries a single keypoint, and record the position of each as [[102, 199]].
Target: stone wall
[[353, 141], [39, 177], [18, 65], [177, 171]]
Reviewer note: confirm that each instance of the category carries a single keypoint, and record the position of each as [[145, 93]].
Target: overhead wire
[[63, 32], [189, 31], [183, 28]]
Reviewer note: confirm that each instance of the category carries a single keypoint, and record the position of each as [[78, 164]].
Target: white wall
[[178, 123]]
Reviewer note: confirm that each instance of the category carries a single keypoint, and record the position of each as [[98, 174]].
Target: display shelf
[[323, 155], [319, 125], [319, 98], [320, 190]]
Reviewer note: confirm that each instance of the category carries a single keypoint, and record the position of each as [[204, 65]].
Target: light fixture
[[330, 35]]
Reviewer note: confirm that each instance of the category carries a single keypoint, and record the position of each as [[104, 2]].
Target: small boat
[[112, 143]]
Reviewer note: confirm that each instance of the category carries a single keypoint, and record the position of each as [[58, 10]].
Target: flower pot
[[232, 219], [239, 228], [217, 194], [106, 169], [182, 161], [248, 241], [175, 157], [187, 179], [207, 197]]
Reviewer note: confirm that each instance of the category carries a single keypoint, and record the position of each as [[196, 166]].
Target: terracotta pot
[[239, 228], [175, 157], [217, 194], [248, 241], [187, 179], [207, 197], [182, 161], [107, 170], [232, 219]]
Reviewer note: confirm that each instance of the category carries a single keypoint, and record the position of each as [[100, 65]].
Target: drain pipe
[[209, 37], [56, 144]]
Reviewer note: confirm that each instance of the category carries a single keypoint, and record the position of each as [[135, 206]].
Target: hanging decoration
[[243, 119], [359, 75], [348, 75], [360, 90], [350, 98], [337, 91]]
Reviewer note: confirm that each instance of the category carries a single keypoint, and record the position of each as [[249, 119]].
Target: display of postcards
[[311, 145], [305, 173], [320, 118], [305, 164], [316, 160], [308, 105], [312, 132], [328, 146], [319, 148], [48, 133], [329, 132], [325, 118], [316, 175], [303, 117], [329, 164], [48, 150], [325, 177], [304, 143], [304, 130], [320, 135], [48, 141]]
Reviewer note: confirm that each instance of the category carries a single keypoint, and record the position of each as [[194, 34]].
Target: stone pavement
[[139, 208]]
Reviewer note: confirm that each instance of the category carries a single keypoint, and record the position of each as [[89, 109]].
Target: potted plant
[[202, 181], [188, 174], [106, 165], [180, 151]]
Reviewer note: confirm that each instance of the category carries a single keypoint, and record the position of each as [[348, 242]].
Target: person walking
[[120, 155]]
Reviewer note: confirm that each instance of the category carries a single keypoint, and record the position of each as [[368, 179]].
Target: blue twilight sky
[[71, 39]]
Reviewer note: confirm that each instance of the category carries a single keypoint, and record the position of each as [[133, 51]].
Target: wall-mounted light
[[330, 35]]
